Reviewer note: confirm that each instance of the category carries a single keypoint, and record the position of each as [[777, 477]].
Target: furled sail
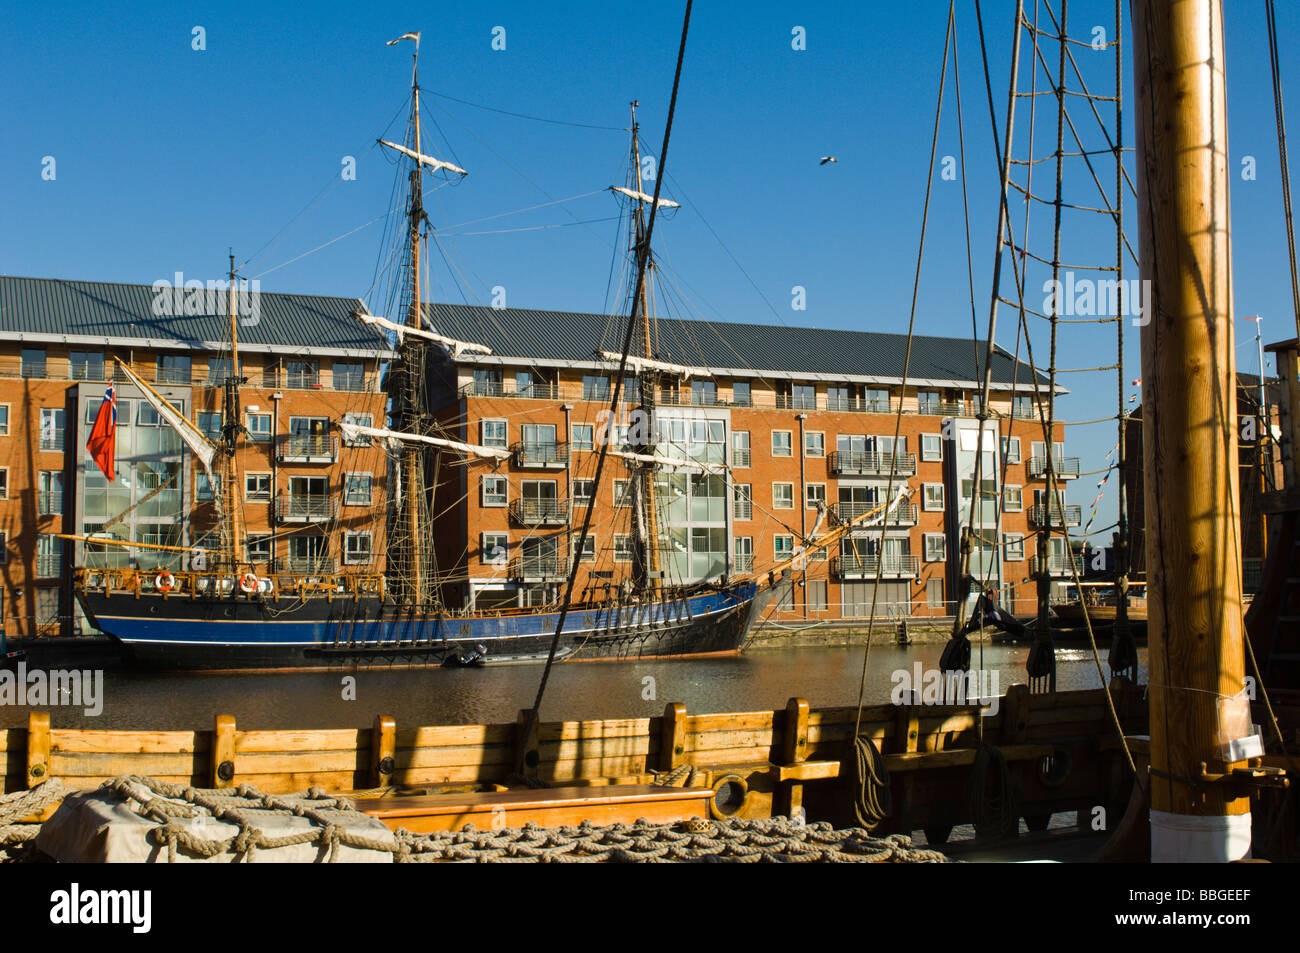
[[642, 197], [640, 363], [199, 445], [423, 159], [453, 345], [353, 431], [681, 463]]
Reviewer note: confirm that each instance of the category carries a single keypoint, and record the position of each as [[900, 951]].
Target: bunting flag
[[103, 436], [1101, 488]]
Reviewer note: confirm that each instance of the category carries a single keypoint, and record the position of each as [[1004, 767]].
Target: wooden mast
[[1189, 432], [652, 578], [230, 428]]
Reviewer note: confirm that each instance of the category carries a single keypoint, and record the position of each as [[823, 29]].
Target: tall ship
[[212, 606]]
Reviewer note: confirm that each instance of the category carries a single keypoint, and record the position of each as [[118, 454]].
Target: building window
[[783, 496], [622, 492], [742, 503], [931, 447], [349, 376], [927, 401], [815, 495], [584, 437], [357, 489], [301, 374], [876, 400], [257, 486], [582, 491], [740, 393], [203, 486], [1014, 547], [936, 547], [584, 548], [803, 396], [933, 497], [1022, 405], [1012, 499], [210, 424], [49, 493], [781, 444], [261, 549], [934, 593], [259, 425], [356, 548], [4, 483], [814, 444], [49, 556], [52, 428], [740, 456], [47, 608], [4, 420], [1011, 449], [494, 433], [743, 552], [595, 387], [704, 392], [816, 595], [495, 550], [783, 547], [494, 491], [86, 365], [33, 365], [220, 369], [173, 369], [358, 420], [622, 549]]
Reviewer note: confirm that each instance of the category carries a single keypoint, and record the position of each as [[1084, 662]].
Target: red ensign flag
[[103, 436]]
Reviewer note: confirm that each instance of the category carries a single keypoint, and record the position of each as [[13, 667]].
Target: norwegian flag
[[103, 436]]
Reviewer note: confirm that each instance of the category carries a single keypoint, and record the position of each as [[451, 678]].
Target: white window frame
[[257, 436], [943, 547], [348, 558], [590, 445], [932, 456], [5, 419], [777, 552], [505, 436], [268, 555], [358, 420], [927, 505], [789, 449], [1008, 541], [1020, 503], [488, 542], [270, 487], [811, 504], [777, 503], [370, 497], [584, 500], [623, 548], [582, 557], [4, 483], [624, 499], [492, 478], [814, 433]]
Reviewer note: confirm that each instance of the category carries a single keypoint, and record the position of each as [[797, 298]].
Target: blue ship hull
[[237, 632]]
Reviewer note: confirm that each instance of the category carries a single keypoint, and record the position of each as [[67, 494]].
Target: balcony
[[1057, 566], [49, 503], [305, 508], [540, 512], [1071, 515], [895, 566], [32, 370], [307, 565], [871, 463], [1067, 468], [742, 562], [536, 391], [943, 408], [52, 441], [49, 566], [541, 456], [901, 514], [742, 509], [740, 458], [306, 448], [544, 568]]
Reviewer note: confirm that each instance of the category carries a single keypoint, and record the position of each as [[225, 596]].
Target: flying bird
[[826, 159]]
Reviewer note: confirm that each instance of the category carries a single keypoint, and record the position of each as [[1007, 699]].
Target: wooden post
[[794, 749], [1189, 424], [223, 752], [527, 756], [383, 747], [38, 748], [672, 737], [1015, 715]]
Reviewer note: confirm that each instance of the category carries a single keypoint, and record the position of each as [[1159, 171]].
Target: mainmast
[[228, 492]]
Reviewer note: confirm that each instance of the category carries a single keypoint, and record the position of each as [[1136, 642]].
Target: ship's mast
[[230, 536], [646, 567]]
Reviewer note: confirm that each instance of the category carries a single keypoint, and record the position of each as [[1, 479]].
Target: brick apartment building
[[310, 501], [798, 415]]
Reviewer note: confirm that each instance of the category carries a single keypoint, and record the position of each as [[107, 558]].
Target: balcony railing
[[49, 502], [547, 568], [306, 448], [1067, 468], [540, 512], [901, 514], [305, 508], [540, 390], [872, 462], [306, 565], [944, 408], [52, 441], [895, 566], [1071, 515], [742, 509], [547, 456], [49, 566], [740, 458], [1057, 566], [742, 562], [32, 370]]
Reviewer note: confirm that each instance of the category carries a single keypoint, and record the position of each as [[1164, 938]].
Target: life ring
[[248, 583], [266, 585], [165, 581]]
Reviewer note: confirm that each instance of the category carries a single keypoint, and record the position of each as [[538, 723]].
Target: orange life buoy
[[165, 581], [248, 583]]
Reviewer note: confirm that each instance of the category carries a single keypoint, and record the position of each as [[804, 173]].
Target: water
[[755, 681]]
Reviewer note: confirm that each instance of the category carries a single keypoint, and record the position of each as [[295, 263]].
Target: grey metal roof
[[53, 308], [564, 336]]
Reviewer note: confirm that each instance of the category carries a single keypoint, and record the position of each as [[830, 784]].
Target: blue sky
[[166, 156]]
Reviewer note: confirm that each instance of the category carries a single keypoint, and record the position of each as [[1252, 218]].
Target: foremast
[[230, 536]]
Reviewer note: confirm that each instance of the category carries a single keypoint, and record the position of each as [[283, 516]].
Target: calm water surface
[[754, 681]]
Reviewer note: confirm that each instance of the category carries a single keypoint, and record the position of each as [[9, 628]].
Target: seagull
[[826, 159]]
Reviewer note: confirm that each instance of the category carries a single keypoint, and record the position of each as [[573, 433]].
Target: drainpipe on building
[[803, 507]]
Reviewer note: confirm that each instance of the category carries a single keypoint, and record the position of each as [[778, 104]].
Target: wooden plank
[[433, 736], [222, 762], [609, 728], [739, 721], [296, 762], [1056, 716], [794, 735], [709, 740], [383, 749], [451, 774], [672, 737], [959, 757], [809, 771], [292, 783], [730, 756], [125, 742], [74, 764], [407, 758], [833, 716], [326, 740], [38, 748], [594, 748], [562, 771], [1015, 712]]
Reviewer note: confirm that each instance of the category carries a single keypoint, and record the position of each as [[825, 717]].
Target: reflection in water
[[756, 681]]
